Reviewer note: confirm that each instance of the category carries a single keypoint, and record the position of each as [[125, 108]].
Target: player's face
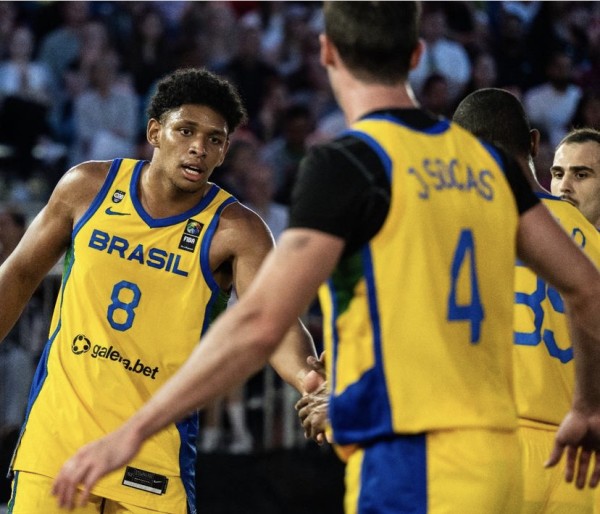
[[191, 142], [576, 177]]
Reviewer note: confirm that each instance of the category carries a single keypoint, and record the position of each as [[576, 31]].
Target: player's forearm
[[289, 360], [219, 363], [15, 291]]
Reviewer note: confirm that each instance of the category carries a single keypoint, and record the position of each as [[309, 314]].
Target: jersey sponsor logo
[[156, 258], [110, 212], [118, 195], [439, 175], [81, 344], [189, 238]]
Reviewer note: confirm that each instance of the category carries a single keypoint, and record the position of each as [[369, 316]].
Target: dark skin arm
[[46, 240], [241, 244]]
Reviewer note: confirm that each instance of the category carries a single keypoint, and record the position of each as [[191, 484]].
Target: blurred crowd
[[75, 76]]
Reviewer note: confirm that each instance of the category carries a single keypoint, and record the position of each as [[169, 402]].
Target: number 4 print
[[464, 255]]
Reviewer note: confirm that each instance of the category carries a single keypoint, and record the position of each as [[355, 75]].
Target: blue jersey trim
[[377, 148], [369, 394], [171, 220], [188, 432], [547, 196], [437, 128], [108, 182], [205, 263]]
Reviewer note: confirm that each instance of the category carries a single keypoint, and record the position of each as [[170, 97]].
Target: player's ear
[[415, 57], [534, 146], [225, 148], [153, 131], [327, 50]]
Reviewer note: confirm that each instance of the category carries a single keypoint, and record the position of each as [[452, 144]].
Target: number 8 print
[[119, 305]]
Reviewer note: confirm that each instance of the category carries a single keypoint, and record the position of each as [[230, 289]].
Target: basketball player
[[543, 353], [152, 251], [411, 225], [576, 172]]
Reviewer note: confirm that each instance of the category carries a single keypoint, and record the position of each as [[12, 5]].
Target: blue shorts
[[445, 472]]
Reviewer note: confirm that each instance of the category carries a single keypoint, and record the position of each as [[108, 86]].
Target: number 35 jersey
[[418, 321], [544, 367], [136, 295]]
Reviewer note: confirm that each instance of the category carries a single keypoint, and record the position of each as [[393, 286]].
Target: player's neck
[[360, 98]]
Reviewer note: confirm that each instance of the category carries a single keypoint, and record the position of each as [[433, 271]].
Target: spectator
[[25, 98], [509, 49], [484, 73], [551, 105], [284, 152], [149, 55], [587, 113], [62, 45], [105, 115], [441, 55], [18, 351], [249, 71], [435, 95]]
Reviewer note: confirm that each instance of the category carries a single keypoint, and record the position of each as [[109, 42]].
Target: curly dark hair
[[198, 86]]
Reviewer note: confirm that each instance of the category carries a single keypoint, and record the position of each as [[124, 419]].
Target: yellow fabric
[[545, 490], [544, 372], [32, 496], [404, 360], [131, 309]]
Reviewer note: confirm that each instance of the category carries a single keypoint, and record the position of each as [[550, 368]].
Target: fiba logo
[[80, 344]]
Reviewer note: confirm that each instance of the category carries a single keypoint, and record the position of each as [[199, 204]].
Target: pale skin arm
[[552, 255], [238, 344]]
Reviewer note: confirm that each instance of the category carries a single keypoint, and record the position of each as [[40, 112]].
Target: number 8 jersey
[[418, 323], [136, 295]]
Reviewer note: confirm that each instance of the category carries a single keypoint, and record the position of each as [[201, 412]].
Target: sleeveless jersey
[[544, 369], [136, 295], [418, 322]]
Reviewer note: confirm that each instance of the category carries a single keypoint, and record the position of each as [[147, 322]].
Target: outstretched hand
[[312, 407], [91, 463], [579, 435]]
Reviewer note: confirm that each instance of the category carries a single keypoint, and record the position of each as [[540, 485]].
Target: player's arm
[[550, 253], [238, 344], [251, 241], [43, 244]]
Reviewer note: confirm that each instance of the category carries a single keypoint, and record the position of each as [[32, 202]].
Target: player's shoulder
[[240, 226], [81, 183]]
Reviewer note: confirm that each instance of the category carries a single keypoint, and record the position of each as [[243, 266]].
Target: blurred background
[[75, 78]]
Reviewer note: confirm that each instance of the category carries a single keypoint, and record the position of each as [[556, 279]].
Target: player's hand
[[78, 475], [312, 407], [313, 411], [579, 435]]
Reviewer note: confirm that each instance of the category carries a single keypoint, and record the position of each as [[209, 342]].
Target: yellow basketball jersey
[[418, 322], [136, 295], [544, 372]]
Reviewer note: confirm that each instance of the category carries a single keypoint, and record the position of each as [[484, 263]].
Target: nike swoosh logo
[[110, 212]]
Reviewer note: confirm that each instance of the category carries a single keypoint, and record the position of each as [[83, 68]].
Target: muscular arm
[[250, 240], [237, 345], [45, 241], [550, 253]]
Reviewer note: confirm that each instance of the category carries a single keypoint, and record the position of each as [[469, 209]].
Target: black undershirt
[[342, 188]]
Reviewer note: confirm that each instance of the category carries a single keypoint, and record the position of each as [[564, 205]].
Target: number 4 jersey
[[136, 295], [418, 320]]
